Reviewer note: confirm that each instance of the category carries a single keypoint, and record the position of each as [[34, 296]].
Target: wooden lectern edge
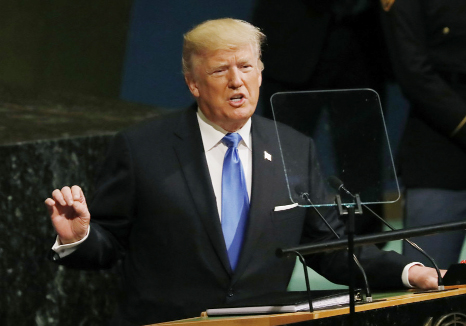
[[410, 296]]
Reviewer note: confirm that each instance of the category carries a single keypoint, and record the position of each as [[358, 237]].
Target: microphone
[[305, 196], [338, 185]]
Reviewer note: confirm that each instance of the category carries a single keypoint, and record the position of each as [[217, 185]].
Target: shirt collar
[[213, 134]]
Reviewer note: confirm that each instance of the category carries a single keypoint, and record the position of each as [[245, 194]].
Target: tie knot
[[232, 140]]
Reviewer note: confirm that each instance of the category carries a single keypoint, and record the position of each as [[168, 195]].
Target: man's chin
[[243, 112], [236, 121], [241, 118]]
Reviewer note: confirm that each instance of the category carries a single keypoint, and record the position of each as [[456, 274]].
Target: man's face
[[226, 85]]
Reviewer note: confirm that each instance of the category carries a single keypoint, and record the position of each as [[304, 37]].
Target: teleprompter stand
[[347, 212], [359, 241]]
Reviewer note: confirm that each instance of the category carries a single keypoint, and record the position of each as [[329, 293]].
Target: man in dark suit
[[160, 202], [427, 43]]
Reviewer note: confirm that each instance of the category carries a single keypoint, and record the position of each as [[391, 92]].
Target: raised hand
[[69, 214]]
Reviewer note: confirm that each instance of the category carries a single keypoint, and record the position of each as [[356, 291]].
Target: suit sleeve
[[112, 210], [435, 101]]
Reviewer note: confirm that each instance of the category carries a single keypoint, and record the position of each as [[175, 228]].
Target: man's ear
[[192, 85]]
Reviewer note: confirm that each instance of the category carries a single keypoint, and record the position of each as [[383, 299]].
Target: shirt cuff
[[405, 275], [66, 249]]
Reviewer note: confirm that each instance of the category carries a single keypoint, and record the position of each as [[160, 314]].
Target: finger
[[53, 212], [66, 191], [81, 209], [49, 202], [77, 193], [433, 283], [58, 197]]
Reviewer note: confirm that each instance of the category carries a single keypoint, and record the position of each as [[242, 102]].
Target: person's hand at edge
[[424, 277]]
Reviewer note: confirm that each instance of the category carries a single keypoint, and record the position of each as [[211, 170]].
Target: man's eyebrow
[[217, 66], [245, 59], [222, 65]]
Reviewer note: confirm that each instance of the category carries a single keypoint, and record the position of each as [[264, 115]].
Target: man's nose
[[234, 80]]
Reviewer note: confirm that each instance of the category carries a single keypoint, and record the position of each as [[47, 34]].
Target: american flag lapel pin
[[267, 156]]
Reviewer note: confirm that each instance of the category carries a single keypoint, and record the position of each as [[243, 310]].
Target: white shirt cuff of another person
[[64, 250], [405, 275]]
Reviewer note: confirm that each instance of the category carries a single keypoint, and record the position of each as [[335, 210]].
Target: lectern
[[403, 308]]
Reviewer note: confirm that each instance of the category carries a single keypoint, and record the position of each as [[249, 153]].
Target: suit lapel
[[190, 152], [265, 169]]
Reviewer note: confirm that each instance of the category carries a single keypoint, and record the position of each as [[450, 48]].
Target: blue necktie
[[235, 200]]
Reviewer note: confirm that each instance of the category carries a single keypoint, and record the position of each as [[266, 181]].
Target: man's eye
[[218, 71]]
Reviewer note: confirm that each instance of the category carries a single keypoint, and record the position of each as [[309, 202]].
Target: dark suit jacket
[[321, 44], [427, 44], [155, 209], [296, 32]]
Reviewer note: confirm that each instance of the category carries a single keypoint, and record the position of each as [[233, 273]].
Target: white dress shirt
[[215, 153]]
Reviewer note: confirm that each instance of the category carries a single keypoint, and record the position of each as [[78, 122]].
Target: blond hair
[[220, 34]]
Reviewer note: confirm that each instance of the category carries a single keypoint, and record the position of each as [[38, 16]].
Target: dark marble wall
[[33, 290], [47, 140]]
